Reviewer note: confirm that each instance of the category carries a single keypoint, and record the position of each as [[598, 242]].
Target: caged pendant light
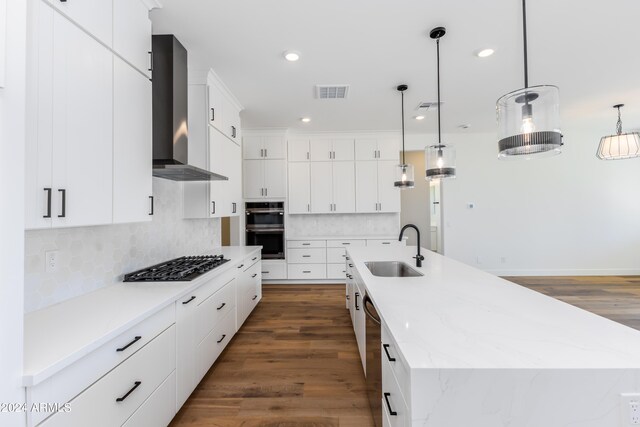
[[621, 145], [440, 159], [529, 118], [404, 171]]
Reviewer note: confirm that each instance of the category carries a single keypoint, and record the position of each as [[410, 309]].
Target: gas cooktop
[[181, 269]]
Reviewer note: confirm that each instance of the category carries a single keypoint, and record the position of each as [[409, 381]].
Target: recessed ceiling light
[[291, 56], [485, 52], [305, 119], [419, 117]]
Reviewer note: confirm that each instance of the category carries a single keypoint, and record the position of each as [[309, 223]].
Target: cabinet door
[[253, 179], [366, 149], [298, 150], [252, 147], [388, 195], [94, 16], [215, 113], [132, 144], [320, 150], [186, 330], [235, 180], [321, 187], [274, 147], [367, 186], [299, 188], [275, 178], [132, 33], [360, 326], [82, 127], [344, 188], [216, 161], [388, 149], [343, 149], [228, 119]]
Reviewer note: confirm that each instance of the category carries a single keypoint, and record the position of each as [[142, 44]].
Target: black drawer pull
[[48, 215], [386, 350], [63, 193], [213, 114], [265, 272], [189, 300], [306, 256], [223, 304], [357, 306], [386, 243], [241, 265], [347, 258], [254, 297], [346, 243], [306, 271], [306, 244], [221, 339], [213, 207], [136, 339], [151, 198], [137, 384], [254, 275], [254, 258], [351, 265], [386, 399]]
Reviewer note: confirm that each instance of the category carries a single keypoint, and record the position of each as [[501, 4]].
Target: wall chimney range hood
[[170, 131]]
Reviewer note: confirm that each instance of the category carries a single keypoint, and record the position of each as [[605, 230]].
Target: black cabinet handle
[[63, 194], [135, 340], [386, 399], [221, 339], [233, 131], [48, 215], [306, 256], [213, 207], [306, 244], [386, 350], [213, 114], [357, 295], [254, 258], [241, 265], [265, 272], [233, 204], [351, 265], [151, 61], [346, 243], [223, 304], [254, 297], [189, 300], [254, 275], [151, 198], [136, 385], [306, 271], [386, 243]]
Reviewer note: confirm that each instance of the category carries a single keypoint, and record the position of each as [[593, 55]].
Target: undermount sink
[[391, 269]]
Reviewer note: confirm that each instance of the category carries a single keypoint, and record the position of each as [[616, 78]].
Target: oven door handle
[[366, 300], [265, 231]]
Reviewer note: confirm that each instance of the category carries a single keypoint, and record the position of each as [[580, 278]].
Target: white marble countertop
[[456, 316], [347, 237], [61, 334]]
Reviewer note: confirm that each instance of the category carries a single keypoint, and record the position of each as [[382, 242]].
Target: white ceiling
[[589, 48]]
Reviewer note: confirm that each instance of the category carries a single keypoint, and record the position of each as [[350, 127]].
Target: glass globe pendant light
[[404, 172], [621, 145], [440, 159], [529, 118]]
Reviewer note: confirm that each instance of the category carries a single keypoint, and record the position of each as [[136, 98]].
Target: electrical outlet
[[630, 409], [51, 259]]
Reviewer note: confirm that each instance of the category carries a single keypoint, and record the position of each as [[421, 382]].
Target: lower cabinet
[[359, 324], [249, 291], [157, 410]]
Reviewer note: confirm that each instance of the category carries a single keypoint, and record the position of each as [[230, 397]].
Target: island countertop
[[456, 316]]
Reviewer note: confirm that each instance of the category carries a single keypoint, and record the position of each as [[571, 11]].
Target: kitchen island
[[473, 349]]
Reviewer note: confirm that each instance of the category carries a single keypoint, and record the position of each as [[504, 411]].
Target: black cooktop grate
[[180, 269]]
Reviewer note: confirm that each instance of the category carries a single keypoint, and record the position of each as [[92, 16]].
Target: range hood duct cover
[[170, 106]]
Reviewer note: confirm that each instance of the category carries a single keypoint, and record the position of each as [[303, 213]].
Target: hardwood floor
[[613, 297], [293, 363]]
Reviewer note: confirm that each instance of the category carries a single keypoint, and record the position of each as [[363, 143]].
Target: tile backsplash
[[93, 257], [343, 225]]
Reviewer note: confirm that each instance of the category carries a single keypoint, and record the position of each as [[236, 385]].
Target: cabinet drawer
[[345, 243], [116, 396], [307, 271], [274, 270], [336, 271], [249, 263], [393, 404], [336, 255], [159, 408], [68, 383], [307, 256], [214, 308], [384, 242], [213, 344], [306, 243], [398, 367]]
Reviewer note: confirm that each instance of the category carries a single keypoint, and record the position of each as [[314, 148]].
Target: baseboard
[[569, 272]]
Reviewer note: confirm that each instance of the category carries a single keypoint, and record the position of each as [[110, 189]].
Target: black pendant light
[[529, 118], [440, 159], [404, 171]]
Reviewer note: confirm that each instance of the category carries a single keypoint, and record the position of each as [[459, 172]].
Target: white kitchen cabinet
[[264, 179], [299, 188], [298, 150], [336, 271], [306, 271], [132, 33], [274, 270], [249, 290], [377, 149], [132, 145], [331, 149], [374, 187], [332, 187], [263, 147], [230, 119], [214, 106], [360, 321], [93, 16], [186, 343]]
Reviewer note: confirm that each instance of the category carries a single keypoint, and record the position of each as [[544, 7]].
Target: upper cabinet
[[132, 33], [322, 150], [377, 149], [263, 147], [375, 192], [93, 16], [223, 110]]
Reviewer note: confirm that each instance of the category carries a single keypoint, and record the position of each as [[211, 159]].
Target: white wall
[[93, 257], [569, 214], [12, 146], [416, 208]]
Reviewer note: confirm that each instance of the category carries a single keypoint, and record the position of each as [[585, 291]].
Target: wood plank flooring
[[293, 363]]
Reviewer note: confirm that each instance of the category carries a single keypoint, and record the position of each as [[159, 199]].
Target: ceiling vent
[[332, 91], [426, 106]]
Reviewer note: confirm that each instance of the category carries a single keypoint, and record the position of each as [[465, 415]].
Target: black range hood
[[170, 130]]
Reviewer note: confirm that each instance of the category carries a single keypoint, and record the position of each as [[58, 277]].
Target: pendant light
[[621, 145], [440, 159], [529, 118], [404, 172]]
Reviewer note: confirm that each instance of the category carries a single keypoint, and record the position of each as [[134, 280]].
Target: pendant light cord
[[619, 124], [402, 109], [524, 39], [439, 103]]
